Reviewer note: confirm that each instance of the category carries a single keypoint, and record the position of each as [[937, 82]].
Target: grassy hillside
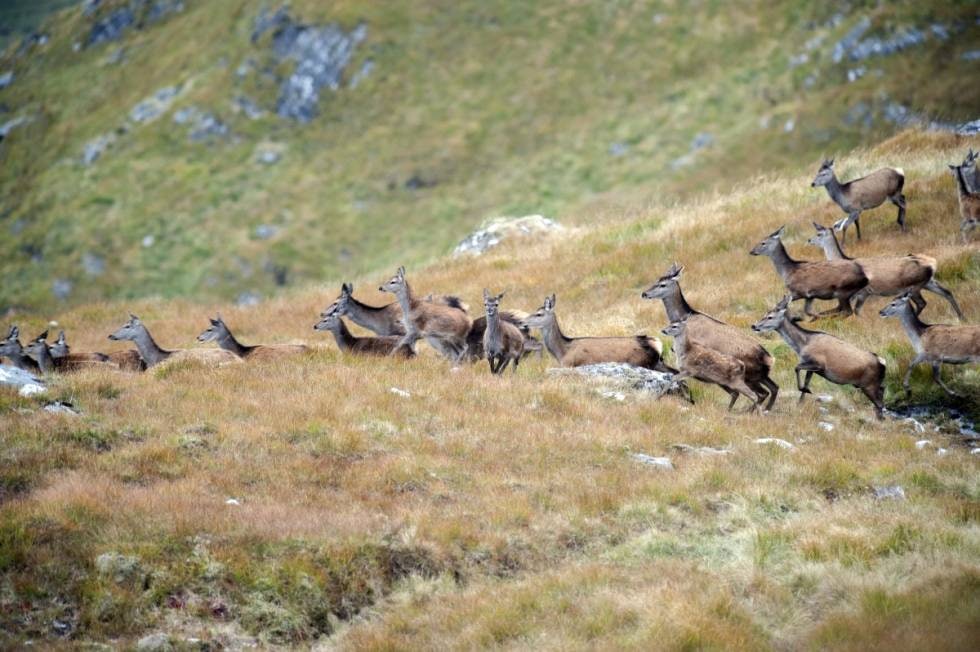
[[472, 109], [507, 512]]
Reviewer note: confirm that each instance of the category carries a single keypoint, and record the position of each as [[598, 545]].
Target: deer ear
[[43, 336], [778, 233], [401, 271], [501, 296], [486, 294], [14, 331], [347, 287], [554, 299], [133, 317], [784, 302], [818, 227], [61, 336], [830, 163]]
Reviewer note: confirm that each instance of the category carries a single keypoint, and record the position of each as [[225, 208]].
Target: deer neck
[[554, 340], [149, 350], [962, 188], [832, 249], [493, 327], [44, 360], [794, 335], [370, 317], [21, 360], [407, 300], [680, 347], [345, 341], [229, 343], [836, 191], [914, 327], [677, 306], [782, 261]]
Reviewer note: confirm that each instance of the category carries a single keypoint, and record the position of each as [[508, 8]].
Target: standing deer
[[443, 327], [825, 355], [934, 343], [888, 275], [151, 353], [810, 280], [381, 345], [381, 320], [862, 194], [474, 339], [503, 342], [969, 202], [11, 348], [715, 334], [710, 366], [128, 360], [219, 332], [639, 350]]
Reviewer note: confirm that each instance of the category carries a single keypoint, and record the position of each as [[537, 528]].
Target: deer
[[381, 345], [832, 358], [503, 342], [810, 280], [381, 320], [862, 194], [128, 360], [152, 354], [11, 348], [971, 175], [969, 201], [715, 334], [934, 344], [443, 327], [474, 339], [888, 275], [219, 332], [638, 350], [710, 366], [38, 350]]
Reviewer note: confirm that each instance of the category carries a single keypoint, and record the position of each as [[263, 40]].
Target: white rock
[[701, 450], [492, 232], [941, 452], [659, 462], [400, 392], [61, 408], [825, 398], [892, 492], [31, 389], [615, 396], [782, 443], [922, 443], [825, 425], [232, 501], [975, 451]]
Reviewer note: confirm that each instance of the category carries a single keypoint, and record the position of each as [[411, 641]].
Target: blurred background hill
[[230, 148]]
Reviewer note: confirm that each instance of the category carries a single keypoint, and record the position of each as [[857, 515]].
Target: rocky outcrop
[[626, 376], [112, 25], [496, 230]]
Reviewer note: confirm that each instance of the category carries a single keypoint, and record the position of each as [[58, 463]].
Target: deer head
[[675, 329], [825, 174], [897, 306], [11, 344], [491, 303], [770, 244], [328, 321], [665, 285], [773, 319], [396, 283], [216, 331], [60, 347], [131, 330], [823, 237], [543, 316]]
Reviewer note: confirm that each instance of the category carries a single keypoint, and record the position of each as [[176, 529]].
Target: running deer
[[219, 332], [638, 350], [825, 355], [128, 360], [710, 366], [381, 320], [151, 353], [810, 280], [862, 194], [934, 343], [969, 202], [503, 342], [382, 345], [888, 275], [715, 334], [443, 327], [12, 349], [971, 175]]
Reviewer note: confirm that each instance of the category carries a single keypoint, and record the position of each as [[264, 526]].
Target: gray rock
[[251, 110], [969, 128], [118, 567], [61, 288], [890, 492], [14, 377], [10, 125], [92, 264], [782, 443], [798, 59], [492, 232], [154, 106], [6, 79], [58, 407], [626, 377], [700, 450], [157, 642], [97, 147], [702, 140], [826, 426], [657, 462], [161, 9], [248, 298], [148, 241], [268, 157], [361, 73], [855, 74], [134, 15], [618, 149], [266, 231], [208, 127], [972, 55], [112, 27], [844, 46], [116, 56]]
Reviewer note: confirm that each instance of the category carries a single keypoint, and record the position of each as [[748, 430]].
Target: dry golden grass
[[506, 511]]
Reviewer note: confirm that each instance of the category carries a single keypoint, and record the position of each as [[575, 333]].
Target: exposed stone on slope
[[494, 231]]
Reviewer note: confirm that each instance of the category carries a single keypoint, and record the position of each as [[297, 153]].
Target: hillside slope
[[151, 152], [304, 502]]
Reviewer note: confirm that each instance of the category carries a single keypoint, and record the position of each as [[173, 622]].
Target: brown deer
[[825, 355], [443, 327], [128, 360], [11, 348], [474, 339], [503, 342], [381, 320], [710, 366], [862, 194], [969, 202], [934, 343], [40, 352], [151, 353], [638, 350], [888, 275], [348, 343], [810, 280], [715, 334], [219, 332]]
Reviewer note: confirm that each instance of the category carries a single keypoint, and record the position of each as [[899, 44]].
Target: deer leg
[[733, 394], [918, 301], [808, 309], [906, 384], [934, 287], [857, 224], [773, 391], [517, 361], [754, 397], [899, 200], [843, 306], [937, 376], [859, 298], [504, 361], [804, 386], [876, 396]]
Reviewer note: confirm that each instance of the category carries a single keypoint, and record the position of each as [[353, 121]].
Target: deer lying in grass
[[825, 355], [219, 332], [151, 353], [39, 350], [888, 275], [971, 175], [862, 194], [809, 280], [710, 366], [638, 350], [503, 342], [348, 343], [934, 343], [129, 360], [443, 327], [11, 348], [381, 320], [969, 202], [714, 334]]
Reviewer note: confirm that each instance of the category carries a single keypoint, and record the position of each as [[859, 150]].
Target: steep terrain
[[229, 148]]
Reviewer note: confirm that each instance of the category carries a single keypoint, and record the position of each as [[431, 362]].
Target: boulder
[[25, 382], [626, 376], [494, 231]]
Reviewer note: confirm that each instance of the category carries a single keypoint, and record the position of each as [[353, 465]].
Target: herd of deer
[[706, 348]]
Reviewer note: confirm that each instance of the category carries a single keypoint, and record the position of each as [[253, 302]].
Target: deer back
[[872, 190], [628, 350], [826, 278], [724, 338], [894, 274], [953, 342], [843, 362]]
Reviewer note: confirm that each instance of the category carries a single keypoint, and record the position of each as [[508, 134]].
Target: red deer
[[443, 327], [218, 332], [129, 360], [151, 353], [348, 343], [862, 194], [503, 342]]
